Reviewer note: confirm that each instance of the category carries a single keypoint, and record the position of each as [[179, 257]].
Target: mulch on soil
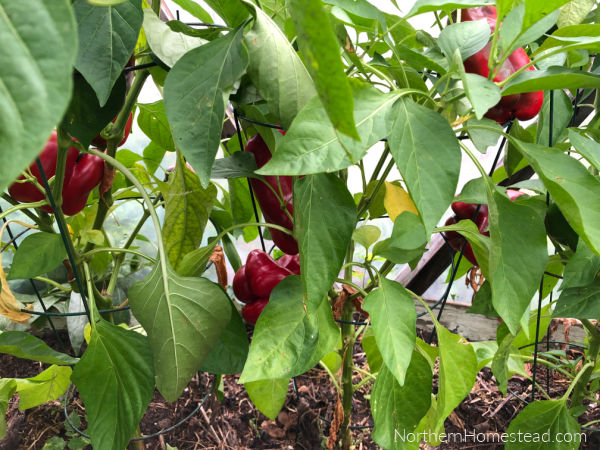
[[234, 422]]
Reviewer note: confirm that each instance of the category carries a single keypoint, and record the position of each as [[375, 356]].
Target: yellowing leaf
[[9, 307], [397, 201]]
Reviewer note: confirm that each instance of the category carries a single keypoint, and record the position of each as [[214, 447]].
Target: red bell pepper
[[521, 106], [254, 281], [82, 174], [269, 202]]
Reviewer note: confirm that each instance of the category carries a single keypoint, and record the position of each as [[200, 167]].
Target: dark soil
[[234, 423]]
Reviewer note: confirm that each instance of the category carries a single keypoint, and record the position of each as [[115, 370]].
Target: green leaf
[[268, 395], [116, 382], [562, 112], [229, 353], [187, 208], [481, 92], [153, 156], [536, 10], [572, 187], [479, 243], [288, 340], [518, 255], [369, 345], [423, 6], [85, 118], [482, 139], [321, 50], [324, 219], [466, 37], [473, 192], [580, 302], [38, 253], [276, 69], [196, 93], [429, 162], [229, 10], [184, 318], [551, 78], [582, 268], [8, 386], [312, 145], [397, 409], [407, 241], [152, 120], [393, 316], [195, 10], [111, 31], [588, 148], [500, 361], [366, 235], [238, 165], [45, 387], [39, 44], [457, 372], [574, 12], [25, 345], [167, 44], [482, 303], [547, 419]]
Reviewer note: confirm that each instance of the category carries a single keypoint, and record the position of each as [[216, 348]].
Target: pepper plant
[[349, 84]]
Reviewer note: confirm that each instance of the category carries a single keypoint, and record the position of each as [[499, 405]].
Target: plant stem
[[64, 142], [20, 206], [347, 355]]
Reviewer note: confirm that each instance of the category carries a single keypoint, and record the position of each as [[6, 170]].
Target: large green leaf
[[312, 145], [551, 78], [187, 208], [393, 316], [322, 54], [546, 419], [467, 37], [557, 111], [25, 345], [518, 255], [572, 187], [582, 268], [8, 386], [45, 387], [574, 12], [38, 253], [196, 93], [167, 44], [457, 372], [229, 10], [115, 380], [397, 409], [39, 45], [428, 157], [229, 353], [287, 339], [536, 10], [152, 120], [276, 69], [268, 395], [107, 38], [580, 302], [183, 318], [324, 219]]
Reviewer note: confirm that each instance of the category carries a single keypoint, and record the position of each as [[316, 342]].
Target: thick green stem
[[116, 134], [347, 356], [64, 142]]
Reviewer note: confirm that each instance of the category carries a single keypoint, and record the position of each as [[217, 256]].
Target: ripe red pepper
[[254, 281], [100, 142], [521, 106], [82, 174], [268, 201], [251, 311]]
